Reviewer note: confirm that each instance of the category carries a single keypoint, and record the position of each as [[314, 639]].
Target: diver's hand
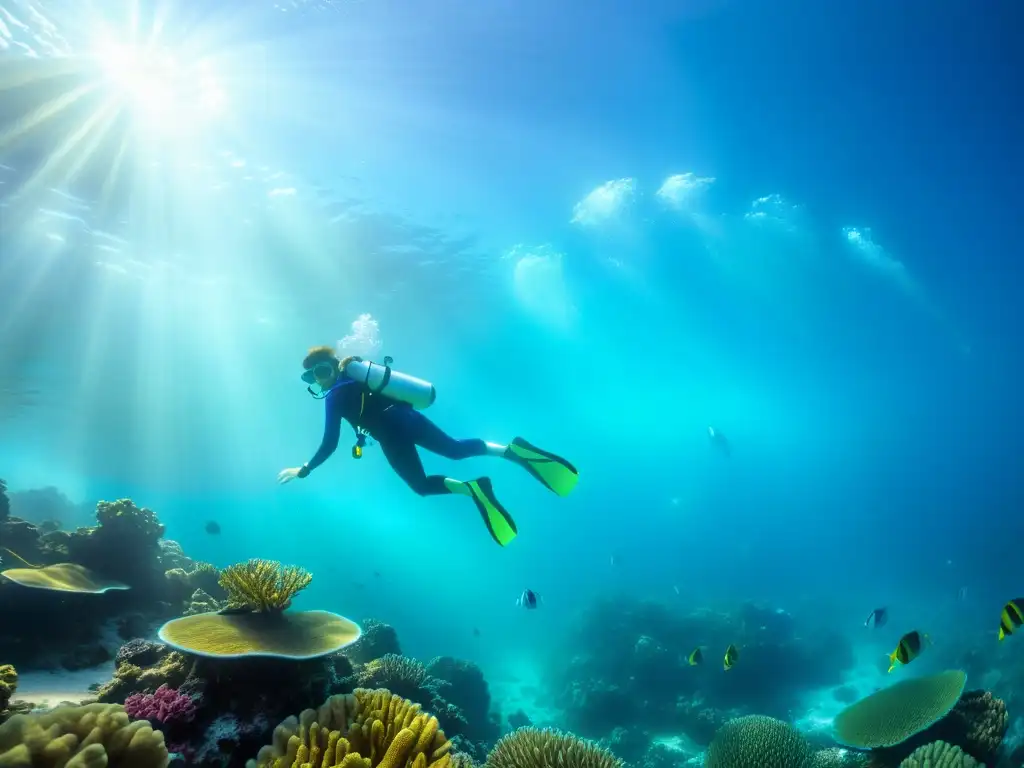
[[287, 475]]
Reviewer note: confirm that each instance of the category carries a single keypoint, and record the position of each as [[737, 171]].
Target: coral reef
[[547, 748], [364, 729], [467, 689], [201, 602], [401, 675], [89, 736], [256, 622], [623, 663], [378, 639], [939, 754], [976, 725], [8, 685], [236, 701], [454, 690], [122, 550], [5, 503], [894, 714], [757, 740]]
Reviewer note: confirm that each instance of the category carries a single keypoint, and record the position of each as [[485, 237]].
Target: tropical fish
[[695, 657], [528, 600], [731, 657], [212, 527], [908, 649], [877, 618], [1011, 618], [961, 594]]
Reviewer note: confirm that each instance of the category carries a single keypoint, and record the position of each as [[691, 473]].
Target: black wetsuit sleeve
[[337, 405]]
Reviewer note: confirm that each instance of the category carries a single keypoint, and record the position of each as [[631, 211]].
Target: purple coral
[[167, 706]]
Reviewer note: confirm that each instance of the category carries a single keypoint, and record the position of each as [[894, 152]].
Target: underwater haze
[[604, 227]]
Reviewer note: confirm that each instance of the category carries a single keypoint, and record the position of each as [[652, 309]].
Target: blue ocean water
[[605, 228]]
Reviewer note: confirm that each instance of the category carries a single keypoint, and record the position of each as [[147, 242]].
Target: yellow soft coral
[[263, 585], [8, 684], [91, 736], [548, 748], [364, 729]]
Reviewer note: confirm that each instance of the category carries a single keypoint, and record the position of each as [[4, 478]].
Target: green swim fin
[[553, 471], [497, 519]]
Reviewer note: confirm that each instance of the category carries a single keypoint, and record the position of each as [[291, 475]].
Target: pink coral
[[164, 706]]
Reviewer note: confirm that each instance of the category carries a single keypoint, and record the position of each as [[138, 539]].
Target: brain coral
[[547, 748], [759, 741], [939, 754], [894, 714], [364, 729], [93, 736]]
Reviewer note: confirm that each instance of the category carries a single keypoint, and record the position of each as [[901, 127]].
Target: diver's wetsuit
[[398, 428]]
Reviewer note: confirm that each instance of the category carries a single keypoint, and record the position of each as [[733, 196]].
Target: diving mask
[[319, 371], [313, 376]]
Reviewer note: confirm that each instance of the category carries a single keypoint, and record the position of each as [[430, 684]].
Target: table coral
[[299, 635], [83, 737], [63, 577], [894, 714]]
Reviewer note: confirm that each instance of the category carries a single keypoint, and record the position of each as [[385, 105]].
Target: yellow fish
[[908, 649], [731, 657], [695, 657], [1011, 618]]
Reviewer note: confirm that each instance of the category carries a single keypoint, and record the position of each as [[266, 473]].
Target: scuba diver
[[384, 404]]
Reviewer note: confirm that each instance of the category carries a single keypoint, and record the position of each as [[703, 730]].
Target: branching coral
[[939, 754], [547, 748], [91, 736], [8, 684], [757, 740], [364, 729], [263, 585]]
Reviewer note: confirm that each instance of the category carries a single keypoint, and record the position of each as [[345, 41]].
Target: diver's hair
[[319, 355]]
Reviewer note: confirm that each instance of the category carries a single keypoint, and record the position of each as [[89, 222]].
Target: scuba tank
[[382, 379]]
